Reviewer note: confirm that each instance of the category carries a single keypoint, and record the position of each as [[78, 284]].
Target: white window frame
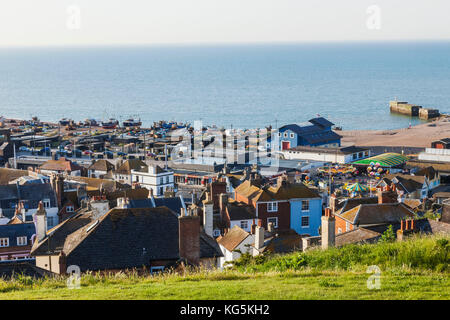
[[292, 135], [244, 224], [272, 206], [339, 230], [46, 203], [285, 134], [275, 225], [301, 221], [305, 201], [22, 241], [4, 242], [216, 233], [347, 226], [70, 209]]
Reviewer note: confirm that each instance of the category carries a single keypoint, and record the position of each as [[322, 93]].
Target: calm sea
[[239, 85]]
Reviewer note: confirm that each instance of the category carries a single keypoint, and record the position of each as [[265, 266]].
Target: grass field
[[415, 269]]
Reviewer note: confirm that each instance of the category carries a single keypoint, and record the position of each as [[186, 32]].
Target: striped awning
[[384, 160]]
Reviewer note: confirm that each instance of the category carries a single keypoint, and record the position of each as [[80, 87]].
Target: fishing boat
[[132, 123], [110, 124]]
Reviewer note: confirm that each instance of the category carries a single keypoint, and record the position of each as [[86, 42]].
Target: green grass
[[415, 269]]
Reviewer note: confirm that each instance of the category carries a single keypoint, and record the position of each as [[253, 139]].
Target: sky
[[144, 22]]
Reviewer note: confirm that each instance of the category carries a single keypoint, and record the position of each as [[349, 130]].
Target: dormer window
[[69, 209], [22, 241]]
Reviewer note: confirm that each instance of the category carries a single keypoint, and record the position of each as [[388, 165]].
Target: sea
[[238, 86]]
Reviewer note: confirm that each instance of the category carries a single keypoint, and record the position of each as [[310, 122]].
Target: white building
[[233, 244], [154, 178], [340, 155], [432, 154]]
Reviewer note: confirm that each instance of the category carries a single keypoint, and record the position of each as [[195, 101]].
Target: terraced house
[[285, 205]]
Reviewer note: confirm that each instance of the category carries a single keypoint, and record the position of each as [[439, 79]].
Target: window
[[69, 209], [292, 135], [279, 134], [244, 224], [347, 226], [273, 220], [46, 203], [216, 233], [4, 242], [50, 221], [272, 207], [167, 179], [354, 156], [339, 230], [161, 180], [22, 241], [305, 205], [285, 135], [305, 221]]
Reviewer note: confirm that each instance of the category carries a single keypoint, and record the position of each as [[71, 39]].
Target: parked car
[[121, 154], [23, 148], [87, 152]]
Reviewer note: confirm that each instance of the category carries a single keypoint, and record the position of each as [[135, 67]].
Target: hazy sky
[[88, 22]]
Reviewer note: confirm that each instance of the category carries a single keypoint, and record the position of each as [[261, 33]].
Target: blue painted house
[[306, 214], [317, 133]]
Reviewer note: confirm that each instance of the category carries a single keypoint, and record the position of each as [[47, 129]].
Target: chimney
[[328, 231], [99, 206], [208, 217], [57, 183], [333, 202], [189, 238], [253, 228], [259, 237], [22, 211], [223, 201], [123, 203], [81, 192], [386, 195], [40, 219]]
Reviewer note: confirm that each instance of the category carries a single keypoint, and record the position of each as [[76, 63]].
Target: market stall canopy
[[385, 160]]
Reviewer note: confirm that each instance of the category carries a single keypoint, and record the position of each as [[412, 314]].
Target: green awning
[[385, 160]]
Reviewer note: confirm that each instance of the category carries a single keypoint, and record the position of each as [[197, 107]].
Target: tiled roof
[[233, 238], [101, 165], [131, 164], [62, 164], [7, 175]]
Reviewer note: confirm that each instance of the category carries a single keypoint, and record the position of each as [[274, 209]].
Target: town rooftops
[[7, 175], [233, 238], [372, 214], [120, 239], [357, 235], [131, 164], [252, 190], [240, 211], [101, 165], [62, 164]]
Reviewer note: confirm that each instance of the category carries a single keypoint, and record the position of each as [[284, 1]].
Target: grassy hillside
[[415, 269]]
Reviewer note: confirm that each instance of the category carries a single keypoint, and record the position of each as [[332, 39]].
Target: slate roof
[[9, 269], [240, 211], [321, 121], [283, 242], [175, 204], [350, 203], [107, 184], [317, 132], [121, 239], [357, 235], [12, 231], [370, 214]]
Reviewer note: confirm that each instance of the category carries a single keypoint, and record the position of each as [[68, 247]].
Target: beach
[[417, 136]]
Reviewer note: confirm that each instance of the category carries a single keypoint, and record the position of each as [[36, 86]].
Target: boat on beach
[[132, 123], [110, 124]]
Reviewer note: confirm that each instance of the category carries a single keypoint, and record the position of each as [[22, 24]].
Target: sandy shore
[[418, 136]]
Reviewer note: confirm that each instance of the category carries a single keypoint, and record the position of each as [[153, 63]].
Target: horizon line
[[230, 43]]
